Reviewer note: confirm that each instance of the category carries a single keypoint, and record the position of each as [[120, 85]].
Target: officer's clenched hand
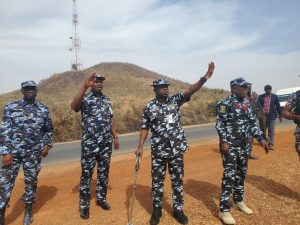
[[7, 159], [45, 151], [265, 145], [139, 152], [116, 143], [224, 148]]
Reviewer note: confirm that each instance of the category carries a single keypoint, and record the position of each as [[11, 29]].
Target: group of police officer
[[26, 137]]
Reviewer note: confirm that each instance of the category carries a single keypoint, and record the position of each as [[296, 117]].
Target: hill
[[127, 85]]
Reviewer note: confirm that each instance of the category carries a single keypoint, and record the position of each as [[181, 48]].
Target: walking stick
[[136, 168]]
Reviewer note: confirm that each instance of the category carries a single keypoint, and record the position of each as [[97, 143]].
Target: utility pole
[[76, 63]]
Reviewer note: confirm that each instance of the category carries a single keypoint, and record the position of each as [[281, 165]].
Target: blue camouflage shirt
[[163, 119], [96, 113], [236, 122], [25, 127], [291, 102]]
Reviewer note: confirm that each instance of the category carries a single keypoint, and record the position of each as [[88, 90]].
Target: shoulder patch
[[222, 109]]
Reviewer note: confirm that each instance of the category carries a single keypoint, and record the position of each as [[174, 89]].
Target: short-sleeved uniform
[[292, 102], [25, 130], [168, 143], [96, 145], [236, 124]]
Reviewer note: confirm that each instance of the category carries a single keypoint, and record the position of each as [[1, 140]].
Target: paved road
[[70, 151]]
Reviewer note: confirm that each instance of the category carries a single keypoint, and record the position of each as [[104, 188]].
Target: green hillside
[[127, 85]]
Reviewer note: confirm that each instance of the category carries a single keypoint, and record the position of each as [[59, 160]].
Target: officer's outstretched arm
[[196, 86]]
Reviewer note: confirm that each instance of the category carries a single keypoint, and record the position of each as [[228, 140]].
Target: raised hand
[[210, 70], [90, 80]]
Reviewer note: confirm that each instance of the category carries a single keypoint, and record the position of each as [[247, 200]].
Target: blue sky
[[258, 40]]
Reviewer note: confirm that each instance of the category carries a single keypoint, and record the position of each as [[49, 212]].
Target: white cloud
[[173, 37]]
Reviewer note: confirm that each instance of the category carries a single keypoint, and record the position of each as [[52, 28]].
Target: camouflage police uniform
[[26, 129], [168, 143], [96, 145], [236, 124], [292, 102]]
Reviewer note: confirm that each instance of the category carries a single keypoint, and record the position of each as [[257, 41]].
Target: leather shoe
[[84, 213], [104, 205]]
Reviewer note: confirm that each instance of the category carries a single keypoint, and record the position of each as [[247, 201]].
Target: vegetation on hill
[[127, 85]]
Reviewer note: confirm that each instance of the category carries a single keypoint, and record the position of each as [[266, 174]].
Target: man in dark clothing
[[168, 143], [96, 141], [271, 108], [236, 126], [26, 137]]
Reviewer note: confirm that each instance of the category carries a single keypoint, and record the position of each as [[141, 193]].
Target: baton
[[136, 169]]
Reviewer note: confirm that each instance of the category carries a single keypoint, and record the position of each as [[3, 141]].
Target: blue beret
[[160, 82], [29, 83], [239, 81], [99, 77]]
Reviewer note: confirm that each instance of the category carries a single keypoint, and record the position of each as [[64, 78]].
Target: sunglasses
[[29, 88]]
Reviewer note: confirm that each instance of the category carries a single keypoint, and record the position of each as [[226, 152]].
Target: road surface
[[70, 151]]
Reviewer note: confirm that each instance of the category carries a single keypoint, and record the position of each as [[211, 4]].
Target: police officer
[[26, 138], [236, 124], [292, 112], [168, 143], [98, 133]]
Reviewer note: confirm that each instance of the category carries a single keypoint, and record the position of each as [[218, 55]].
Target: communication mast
[[76, 46]]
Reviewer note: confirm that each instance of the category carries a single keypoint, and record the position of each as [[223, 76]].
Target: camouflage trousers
[[297, 141], [31, 166], [88, 162], [176, 171], [235, 165]]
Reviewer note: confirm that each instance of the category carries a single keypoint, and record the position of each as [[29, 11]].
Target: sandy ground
[[272, 189]]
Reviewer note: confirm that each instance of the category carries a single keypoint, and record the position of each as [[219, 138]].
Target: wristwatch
[[203, 79]]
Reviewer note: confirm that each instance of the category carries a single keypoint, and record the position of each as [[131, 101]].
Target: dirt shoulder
[[272, 189]]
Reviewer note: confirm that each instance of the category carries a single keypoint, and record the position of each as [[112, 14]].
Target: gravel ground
[[272, 189]]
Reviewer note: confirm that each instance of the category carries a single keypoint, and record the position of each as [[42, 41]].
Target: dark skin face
[[97, 86], [29, 94], [241, 91], [162, 92], [268, 91]]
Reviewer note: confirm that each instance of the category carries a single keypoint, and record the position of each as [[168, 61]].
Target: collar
[[239, 100], [161, 103], [242, 104], [97, 94], [25, 103]]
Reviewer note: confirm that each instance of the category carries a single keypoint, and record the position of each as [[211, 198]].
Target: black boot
[[103, 204], [84, 213], [180, 217], [2, 216], [28, 215], [156, 214]]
